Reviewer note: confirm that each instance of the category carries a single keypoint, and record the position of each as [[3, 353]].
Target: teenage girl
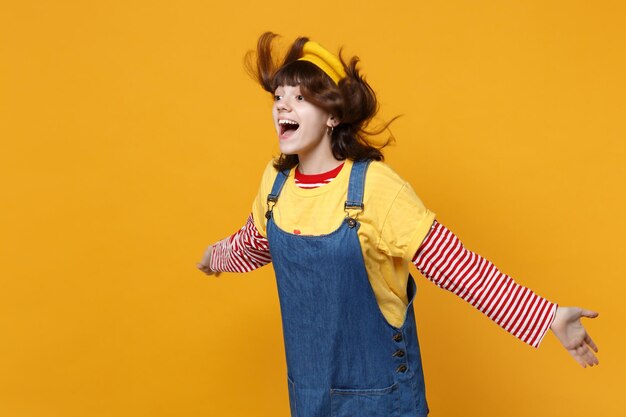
[[340, 228]]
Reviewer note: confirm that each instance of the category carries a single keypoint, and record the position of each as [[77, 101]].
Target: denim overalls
[[343, 358]]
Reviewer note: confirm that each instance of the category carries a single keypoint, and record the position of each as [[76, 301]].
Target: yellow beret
[[322, 58]]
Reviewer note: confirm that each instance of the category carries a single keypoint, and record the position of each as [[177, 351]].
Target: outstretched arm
[[244, 251], [444, 260]]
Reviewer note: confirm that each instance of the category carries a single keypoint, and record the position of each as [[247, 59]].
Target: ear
[[332, 121]]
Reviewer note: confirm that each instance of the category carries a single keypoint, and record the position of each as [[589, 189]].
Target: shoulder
[[381, 170], [269, 174], [269, 168], [385, 186], [382, 179], [404, 220]]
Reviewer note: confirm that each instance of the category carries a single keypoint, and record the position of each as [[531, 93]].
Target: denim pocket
[[377, 402], [292, 397]]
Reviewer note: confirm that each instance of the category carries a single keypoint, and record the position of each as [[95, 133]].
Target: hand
[[568, 329], [205, 263]]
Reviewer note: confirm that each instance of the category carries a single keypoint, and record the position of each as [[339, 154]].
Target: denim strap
[[357, 184], [281, 178], [272, 197]]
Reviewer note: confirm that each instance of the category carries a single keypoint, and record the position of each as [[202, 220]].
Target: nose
[[283, 105]]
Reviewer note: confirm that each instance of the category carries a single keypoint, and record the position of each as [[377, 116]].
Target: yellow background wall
[[131, 138]]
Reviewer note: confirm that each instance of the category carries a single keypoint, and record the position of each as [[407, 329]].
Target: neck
[[318, 161], [311, 167]]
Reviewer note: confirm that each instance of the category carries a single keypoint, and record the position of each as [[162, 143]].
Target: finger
[[206, 270], [591, 343], [590, 313], [590, 358], [580, 355], [209, 271], [586, 355], [577, 357]]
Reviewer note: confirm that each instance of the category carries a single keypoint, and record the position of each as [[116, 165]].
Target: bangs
[[304, 74]]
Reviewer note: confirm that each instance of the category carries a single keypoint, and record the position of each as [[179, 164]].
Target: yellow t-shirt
[[394, 223]]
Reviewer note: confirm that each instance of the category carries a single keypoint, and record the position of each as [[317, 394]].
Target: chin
[[288, 150]]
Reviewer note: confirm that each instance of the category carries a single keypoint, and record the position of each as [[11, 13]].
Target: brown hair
[[352, 101]]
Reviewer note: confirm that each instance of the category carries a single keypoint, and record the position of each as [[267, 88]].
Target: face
[[302, 127]]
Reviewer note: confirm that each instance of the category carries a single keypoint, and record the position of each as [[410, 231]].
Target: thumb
[[589, 313]]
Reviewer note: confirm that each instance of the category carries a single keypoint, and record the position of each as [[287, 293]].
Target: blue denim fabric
[[343, 358]]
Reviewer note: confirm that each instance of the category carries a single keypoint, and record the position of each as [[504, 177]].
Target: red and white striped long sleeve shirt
[[441, 258]]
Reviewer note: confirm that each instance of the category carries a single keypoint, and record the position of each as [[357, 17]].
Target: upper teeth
[[285, 121]]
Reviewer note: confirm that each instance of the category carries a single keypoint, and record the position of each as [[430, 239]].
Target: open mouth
[[287, 128]]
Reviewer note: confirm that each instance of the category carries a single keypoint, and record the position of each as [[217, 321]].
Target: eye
[[276, 97], [300, 97]]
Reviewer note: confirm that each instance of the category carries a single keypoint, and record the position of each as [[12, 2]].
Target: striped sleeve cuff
[[244, 251]]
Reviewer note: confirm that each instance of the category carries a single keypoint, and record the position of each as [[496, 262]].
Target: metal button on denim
[[399, 353], [401, 368], [397, 337]]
